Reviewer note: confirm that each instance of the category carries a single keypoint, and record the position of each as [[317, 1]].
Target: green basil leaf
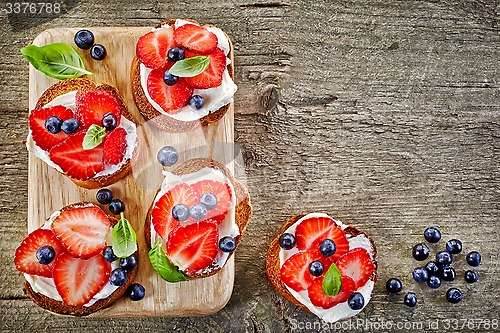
[[59, 60], [332, 281], [124, 238], [164, 267], [190, 67], [94, 136]]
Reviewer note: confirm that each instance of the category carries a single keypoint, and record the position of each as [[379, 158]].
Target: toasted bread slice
[[68, 85], [273, 260], [60, 307], [243, 210], [165, 122]]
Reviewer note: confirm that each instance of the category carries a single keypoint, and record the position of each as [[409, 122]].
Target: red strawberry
[[169, 98], [152, 48], [78, 280], [312, 231], [196, 38], [92, 105], [318, 297], [75, 161], [358, 265], [25, 258], [193, 247], [161, 214], [295, 270], [115, 146], [43, 138], [82, 230], [212, 77], [222, 192]]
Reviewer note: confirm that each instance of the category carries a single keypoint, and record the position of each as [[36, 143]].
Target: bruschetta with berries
[[182, 75], [71, 263], [85, 131], [323, 266], [196, 220]]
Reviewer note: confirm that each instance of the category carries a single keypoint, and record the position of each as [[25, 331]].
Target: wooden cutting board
[[48, 190]]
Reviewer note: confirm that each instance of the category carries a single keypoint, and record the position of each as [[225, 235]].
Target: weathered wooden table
[[385, 114]]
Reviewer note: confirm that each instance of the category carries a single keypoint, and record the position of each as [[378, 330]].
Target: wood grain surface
[[385, 114]]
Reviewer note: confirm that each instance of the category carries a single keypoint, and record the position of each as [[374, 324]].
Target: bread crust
[[59, 307], [273, 260], [165, 122], [243, 209], [68, 85]]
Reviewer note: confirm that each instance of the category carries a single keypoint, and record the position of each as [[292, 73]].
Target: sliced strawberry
[[152, 48], [312, 231], [222, 192], [212, 77], [115, 146], [78, 280], [161, 214], [196, 38], [358, 265], [295, 270], [92, 105], [170, 98], [318, 297], [43, 138], [193, 247], [82, 231], [25, 258]]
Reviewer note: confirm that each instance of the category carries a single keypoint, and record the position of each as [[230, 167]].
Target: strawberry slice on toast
[[320, 299], [295, 270], [43, 138], [358, 265], [92, 105], [115, 146], [222, 192], [212, 76], [196, 38], [25, 257], [170, 98], [152, 48]]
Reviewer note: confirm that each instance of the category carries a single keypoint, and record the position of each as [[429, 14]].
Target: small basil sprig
[[190, 67], [59, 60], [332, 281], [124, 238], [94, 136], [163, 266]]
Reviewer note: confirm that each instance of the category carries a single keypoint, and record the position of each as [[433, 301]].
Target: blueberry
[[167, 156], [443, 258], [356, 301], [170, 79], [98, 52], [227, 244], [420, 252], [180, 212], [198, 211], [432, 235], [394, 285], [454, 295], [118, 277], [420, 275], [471, 276], [135, 292], [53, 124], [129, 262], [108, 254], [209, 200], [434, 282], [109, 121], [474, 258], [327, 247], [104, 196], [70, 125], [196, 102], [45, 254], [448, 273], [316, 268], [287, 241], [116, 206], [84, 39], [454, 246], [432, 268], [176, 54], [410, 299]]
